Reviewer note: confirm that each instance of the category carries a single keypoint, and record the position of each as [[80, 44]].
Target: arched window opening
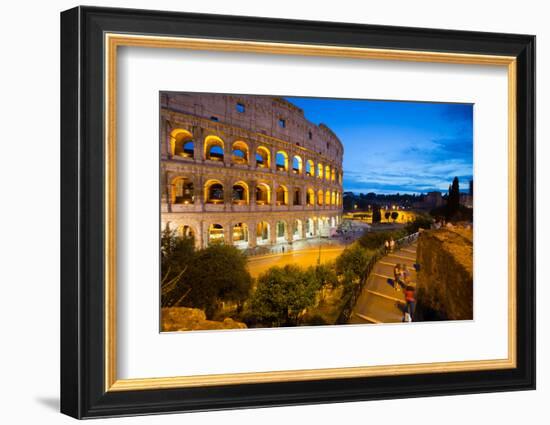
[[310, 168], [310, 197], [239, 195], [182, 191], [320, 197], [262, 157], [214, 192], [282, 196], [214, 148], [215, 234], [185, 231], [240, 153], [263, 194], [327, 172], [327, 198], [297, 230], [281, 161], [297, 165], [333, 175], [297, 196], [262, 233], [320, 170], [281, 229], [240, 233], [182, 144]]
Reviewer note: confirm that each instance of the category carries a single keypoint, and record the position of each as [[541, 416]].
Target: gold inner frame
[[113, 41]]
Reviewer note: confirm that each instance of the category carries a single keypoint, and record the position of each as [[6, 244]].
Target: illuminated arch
[[297, 196], [240, 234], [216, 234], [297, 230], [327, 172], [320, 170], [262, 233], [310, 168], [333, 175], [333, 199], [182, 191], [263, 194], [263, 157], [239, 152], [213, 192], [181, 143], [214, 148], [310, 228], [281, 195], [281, 161], [239, 194], [327, 197], [281, 230], [297, 164], [310, 197], [320, 197], [185, 231]]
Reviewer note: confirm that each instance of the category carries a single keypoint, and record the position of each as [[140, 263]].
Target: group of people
[[401, 281], [389, 245]]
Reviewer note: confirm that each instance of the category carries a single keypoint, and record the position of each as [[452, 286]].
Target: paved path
[[304, 258], [380, 302]]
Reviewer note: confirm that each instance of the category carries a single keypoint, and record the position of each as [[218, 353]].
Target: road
[[304, 258], [380, 302]]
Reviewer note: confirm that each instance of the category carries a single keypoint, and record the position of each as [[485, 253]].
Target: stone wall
[[176, 319], [445, 279]]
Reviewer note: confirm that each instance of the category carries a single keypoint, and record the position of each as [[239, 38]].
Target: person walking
[[410, 300], [386, 246], [392, 244], [396, 276]]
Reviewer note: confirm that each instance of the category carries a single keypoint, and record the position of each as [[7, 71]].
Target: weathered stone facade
[[250, 170]]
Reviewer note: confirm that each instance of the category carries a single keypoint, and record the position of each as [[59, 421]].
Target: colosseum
[[247, 170]]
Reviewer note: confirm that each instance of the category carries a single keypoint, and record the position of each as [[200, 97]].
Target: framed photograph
[[261, 212]]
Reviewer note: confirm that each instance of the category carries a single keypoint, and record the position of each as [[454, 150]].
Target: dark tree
[[453, 200], [387, 215], [394, 215], [282, 294], [376, 215]]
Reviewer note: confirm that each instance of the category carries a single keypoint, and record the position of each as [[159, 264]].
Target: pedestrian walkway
[[379, 302]]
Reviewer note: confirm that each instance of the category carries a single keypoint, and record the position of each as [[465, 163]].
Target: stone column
[[252, 235], [273, 232], [199, 144]]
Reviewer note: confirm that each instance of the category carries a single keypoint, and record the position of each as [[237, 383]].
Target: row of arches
[[244, 235], [183, 144], [183, 191]]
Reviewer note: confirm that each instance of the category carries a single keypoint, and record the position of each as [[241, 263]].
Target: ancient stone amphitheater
[[247, 170]]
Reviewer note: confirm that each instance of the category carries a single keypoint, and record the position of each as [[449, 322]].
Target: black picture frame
[[83, 392]]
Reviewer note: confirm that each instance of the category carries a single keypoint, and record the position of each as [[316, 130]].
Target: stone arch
[[281, 161], [182, 191], [333, 175], [214, 148], [310, 227], [297, 164], [327, 197], [281, 195], [239, 152], [263, 157], [297, 196], [327, 172], [320, 197], [213, 192], [181, 143], [262, 233], [240, 235], [281, 230], [320, 170], [333, 198], [240, 194], [297, 230], [310, 168], [310, 197], [185, 231], [215, 234], [263, 194]]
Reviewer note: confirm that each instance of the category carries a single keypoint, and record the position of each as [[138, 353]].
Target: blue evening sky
[[405, 147]]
